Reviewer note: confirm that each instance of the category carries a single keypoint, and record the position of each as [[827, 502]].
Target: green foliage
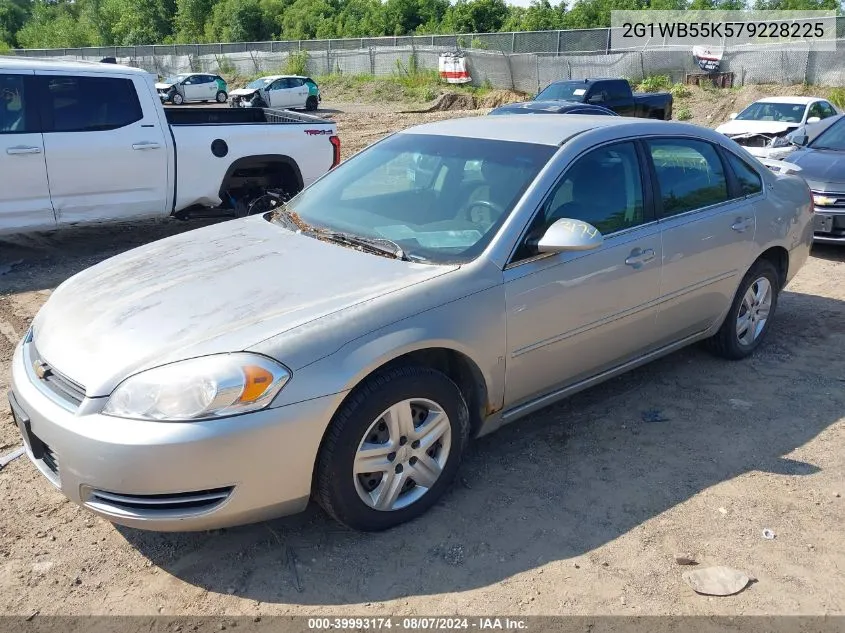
[[74, 23], [655, 83], [4, 47], [679, 91], [684, 114], [837, 97], [296, 63]]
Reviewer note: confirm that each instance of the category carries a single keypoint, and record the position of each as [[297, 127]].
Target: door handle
[[742, 224], [638, 257], [20, 149], [147, 145]]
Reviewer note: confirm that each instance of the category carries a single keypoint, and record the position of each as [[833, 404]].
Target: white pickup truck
[[85, 143]]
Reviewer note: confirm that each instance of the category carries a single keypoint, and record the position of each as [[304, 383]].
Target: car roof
[[552, 104], [804, 100], [543, 130], [29, 63]]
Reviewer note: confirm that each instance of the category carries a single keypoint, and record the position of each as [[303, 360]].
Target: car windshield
[[783, 112], [174, 79], [565, 90], [259, 83], [440, 198], [832, 138]]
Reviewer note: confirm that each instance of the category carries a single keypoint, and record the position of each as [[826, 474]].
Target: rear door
[[24, 194], [299, 92], [209, 86], [105, 147], [708, 224]]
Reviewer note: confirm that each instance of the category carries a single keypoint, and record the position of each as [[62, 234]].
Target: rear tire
[[311, 103], [750, 315], [405, 423], [221, 97]]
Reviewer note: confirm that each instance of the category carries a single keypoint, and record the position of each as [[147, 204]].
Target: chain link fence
[[526, 62]]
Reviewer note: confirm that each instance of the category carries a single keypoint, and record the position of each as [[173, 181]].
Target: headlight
[[824, 201], [199, 389], [779, 141]]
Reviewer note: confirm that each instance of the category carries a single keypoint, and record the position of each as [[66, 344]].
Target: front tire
[[177, 99], [392, 449], [750, 315], [221, 97]]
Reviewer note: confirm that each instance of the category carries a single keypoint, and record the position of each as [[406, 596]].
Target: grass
[[684, 114], [679, 91], [837, 97], [655, 83], [405, 85]]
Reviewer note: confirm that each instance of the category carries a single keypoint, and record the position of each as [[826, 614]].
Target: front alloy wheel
[[392, 448]]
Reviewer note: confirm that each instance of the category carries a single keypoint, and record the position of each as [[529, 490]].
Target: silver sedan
[[348, 345]]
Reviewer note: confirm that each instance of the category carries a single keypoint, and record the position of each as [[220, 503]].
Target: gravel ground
[[578, 509]]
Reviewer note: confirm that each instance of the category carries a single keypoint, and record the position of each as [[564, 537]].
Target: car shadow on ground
[[830, 252], [556, 485]]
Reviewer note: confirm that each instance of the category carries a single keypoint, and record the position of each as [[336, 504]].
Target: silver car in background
[[347, 346]]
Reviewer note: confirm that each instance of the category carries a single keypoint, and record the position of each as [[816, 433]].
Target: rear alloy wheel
[[392, 449], [750, 315], [221, 97], [177, 99], [311, 103]]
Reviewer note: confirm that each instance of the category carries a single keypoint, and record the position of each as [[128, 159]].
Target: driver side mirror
[[570, 235], [733, 115], [799, 139]]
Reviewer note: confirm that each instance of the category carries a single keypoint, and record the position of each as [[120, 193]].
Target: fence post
[[607, 44], [558, 41], [513, 43]]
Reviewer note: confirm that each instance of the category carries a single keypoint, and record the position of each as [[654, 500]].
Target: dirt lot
[[577, 510]]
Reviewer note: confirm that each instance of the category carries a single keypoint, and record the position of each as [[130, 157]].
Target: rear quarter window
[[748, 179]]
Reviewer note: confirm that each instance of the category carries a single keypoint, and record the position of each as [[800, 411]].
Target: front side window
[[815, 111], [13, 106], [603, 187], [689, 173], [89, 104], [441, 198]]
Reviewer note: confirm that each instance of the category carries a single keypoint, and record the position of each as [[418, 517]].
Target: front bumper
[[170, 476], [829, 225]]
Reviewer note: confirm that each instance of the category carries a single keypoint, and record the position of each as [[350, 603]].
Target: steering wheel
[[488, 217]]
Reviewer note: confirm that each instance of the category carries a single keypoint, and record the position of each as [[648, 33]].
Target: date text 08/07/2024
[[418, 623]]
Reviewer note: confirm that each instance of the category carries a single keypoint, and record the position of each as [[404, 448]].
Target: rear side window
[[827, 110], [89, 104], [17, 114], [748, 179], [689, 174]]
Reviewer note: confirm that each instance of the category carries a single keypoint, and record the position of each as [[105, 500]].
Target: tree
[[237, 21], [540, 15], [190, 20], [308, 19], [361, 18], [55, 25], [13, 15], [476, 16]]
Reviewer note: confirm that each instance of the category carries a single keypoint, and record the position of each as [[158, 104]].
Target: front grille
[[179, 503], [54, 381], [753, 141], [839, 197], [50, 460]]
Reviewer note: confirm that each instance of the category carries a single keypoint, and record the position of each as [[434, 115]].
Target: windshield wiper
[[380, 245]]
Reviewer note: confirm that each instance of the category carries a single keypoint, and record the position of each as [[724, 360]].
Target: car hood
[[732, 128], [219, 289], [824, 170], [160, 86], [243, 91]]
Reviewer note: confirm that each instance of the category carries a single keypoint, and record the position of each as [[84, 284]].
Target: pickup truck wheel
[[750, 315], [311, 103], [392, 449], [221, 97], [177, 99]]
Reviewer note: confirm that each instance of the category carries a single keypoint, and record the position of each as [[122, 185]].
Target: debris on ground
[[736, 403], [8, 457], [7, 267], [448, 101], [717, 581], [496, 98], [768, 534], [685, 559], [654, 415]]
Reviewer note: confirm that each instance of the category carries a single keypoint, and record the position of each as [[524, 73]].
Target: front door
[[25, 194], [279, 93], [126, 174], [194, 88], [573, 315], [706, 208]]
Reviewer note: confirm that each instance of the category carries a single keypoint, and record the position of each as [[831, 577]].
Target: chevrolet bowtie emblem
[[41, 369]]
